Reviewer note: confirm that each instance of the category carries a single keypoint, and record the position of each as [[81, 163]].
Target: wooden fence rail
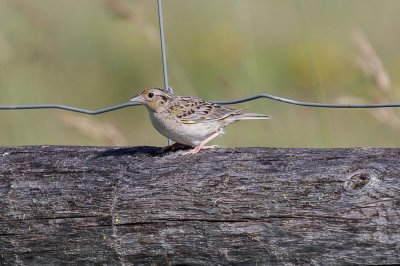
[[243, 206]]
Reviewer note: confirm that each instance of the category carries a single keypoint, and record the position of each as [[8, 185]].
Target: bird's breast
[[188, 134]]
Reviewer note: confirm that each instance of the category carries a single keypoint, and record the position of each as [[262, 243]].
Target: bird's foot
[[198, 148], [174, 147]]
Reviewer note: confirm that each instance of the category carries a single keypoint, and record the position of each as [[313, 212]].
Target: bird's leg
[[202, 144]]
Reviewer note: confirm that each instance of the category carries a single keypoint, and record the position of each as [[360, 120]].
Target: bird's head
[[152, 98]]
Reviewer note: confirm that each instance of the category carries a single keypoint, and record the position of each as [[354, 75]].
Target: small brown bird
[[189, 120]]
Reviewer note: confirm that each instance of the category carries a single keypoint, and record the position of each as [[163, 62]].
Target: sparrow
[[188, 120]]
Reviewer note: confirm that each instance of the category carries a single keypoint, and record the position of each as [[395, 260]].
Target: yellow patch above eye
[[146, 92]]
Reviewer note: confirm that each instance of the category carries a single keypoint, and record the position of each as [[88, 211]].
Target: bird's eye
[[150, 95]]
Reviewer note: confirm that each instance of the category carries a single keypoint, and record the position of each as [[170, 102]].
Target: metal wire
[[247, 99], [68, 108], [163, 53], [309, 104], [162, 40]]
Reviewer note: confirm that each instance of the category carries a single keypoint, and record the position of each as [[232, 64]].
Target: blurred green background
[[97, 53]]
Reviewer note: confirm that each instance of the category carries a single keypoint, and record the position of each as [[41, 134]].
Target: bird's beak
[[137, 99]]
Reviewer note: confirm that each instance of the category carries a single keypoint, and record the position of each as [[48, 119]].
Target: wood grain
[[243, 206]]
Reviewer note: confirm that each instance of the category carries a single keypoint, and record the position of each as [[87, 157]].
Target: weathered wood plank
[[247, 206]]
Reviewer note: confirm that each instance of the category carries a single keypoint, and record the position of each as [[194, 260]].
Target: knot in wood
[[359, 180]]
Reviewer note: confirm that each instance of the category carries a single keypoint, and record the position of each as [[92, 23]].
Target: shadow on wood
[[246, 206]]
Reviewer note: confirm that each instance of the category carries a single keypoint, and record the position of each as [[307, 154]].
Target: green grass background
[[97, 53]]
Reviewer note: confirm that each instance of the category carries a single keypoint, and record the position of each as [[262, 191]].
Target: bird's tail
[[248, 116]]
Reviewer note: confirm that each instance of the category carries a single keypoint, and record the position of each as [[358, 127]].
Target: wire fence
[[223, 102]]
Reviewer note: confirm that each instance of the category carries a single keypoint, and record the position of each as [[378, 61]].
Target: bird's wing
[[191, 110]]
